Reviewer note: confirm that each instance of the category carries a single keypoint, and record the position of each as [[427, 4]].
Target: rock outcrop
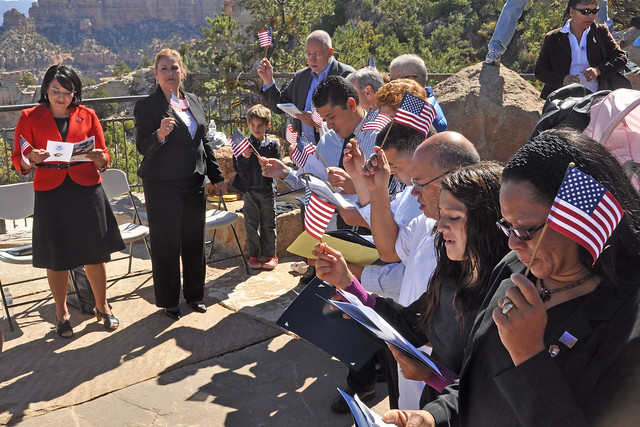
[[92, 15], [493, 107]]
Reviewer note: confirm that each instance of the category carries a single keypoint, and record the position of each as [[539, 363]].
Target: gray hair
[[411, 65], [320, 36], [366, 77]]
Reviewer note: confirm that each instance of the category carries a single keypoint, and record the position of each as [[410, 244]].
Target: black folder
[[311, 318]]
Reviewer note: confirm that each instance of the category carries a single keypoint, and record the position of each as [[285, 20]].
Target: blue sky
[[22, 5]]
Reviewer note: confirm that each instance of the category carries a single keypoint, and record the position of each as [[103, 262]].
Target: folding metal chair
[[16, 202], [219, 218], [115, 183]]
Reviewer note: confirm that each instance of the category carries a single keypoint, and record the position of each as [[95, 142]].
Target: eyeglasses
[[314, 55], [587, 12], [420, 187], [524, 234]]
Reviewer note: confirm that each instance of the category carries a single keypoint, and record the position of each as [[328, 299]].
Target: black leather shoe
[[173, 313], [340, 406], [198, 307]]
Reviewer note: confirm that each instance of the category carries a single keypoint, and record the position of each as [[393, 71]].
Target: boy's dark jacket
[[249, 173]]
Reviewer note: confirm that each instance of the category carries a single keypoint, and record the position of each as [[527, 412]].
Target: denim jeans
[[511, 12]]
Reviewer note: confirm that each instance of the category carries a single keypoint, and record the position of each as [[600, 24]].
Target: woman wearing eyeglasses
[[560, 347], [580, 52], [73, 224]]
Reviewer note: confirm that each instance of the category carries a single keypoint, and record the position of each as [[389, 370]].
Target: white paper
[[363, 416], [322, 189], [368, 318], [290, 109], [70, 152]]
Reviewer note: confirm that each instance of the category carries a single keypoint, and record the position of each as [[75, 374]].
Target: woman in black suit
[[177, 156], [580, 52]]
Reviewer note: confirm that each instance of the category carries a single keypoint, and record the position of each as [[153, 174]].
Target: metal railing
[[228, 112]]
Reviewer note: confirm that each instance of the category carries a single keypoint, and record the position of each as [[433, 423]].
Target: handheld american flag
[[371, 63], [416, 113], [264, 37], [317, 216], [378, 123], [316, 117], [302, 152], [180, 104], [291, 135], [584, 211], [239, 144], [25, 148]]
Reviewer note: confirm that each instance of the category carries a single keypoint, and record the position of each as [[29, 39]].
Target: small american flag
[[291, 135], [180, 104], [379, 122], [25, 147], [584, 211], [371, 63], [301, 153], [239, 144], [416, 113], [317, 216], [316, 117], [264, 37]]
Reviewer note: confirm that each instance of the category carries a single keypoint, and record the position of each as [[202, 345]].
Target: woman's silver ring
[[507, 307]]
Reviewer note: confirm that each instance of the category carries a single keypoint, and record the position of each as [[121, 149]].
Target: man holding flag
[[300, 89]]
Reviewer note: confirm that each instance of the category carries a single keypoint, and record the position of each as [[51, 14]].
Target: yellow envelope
[[352, 252]]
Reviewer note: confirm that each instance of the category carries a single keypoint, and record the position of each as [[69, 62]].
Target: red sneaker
[[254, 263], [270, 263]]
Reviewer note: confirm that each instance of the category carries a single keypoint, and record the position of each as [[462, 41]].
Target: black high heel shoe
[[64, 328], [110, 321]]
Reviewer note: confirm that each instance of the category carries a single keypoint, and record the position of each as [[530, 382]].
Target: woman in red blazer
[[73, 223]]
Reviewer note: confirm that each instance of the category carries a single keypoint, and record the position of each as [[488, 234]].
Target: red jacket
[[37, 126]]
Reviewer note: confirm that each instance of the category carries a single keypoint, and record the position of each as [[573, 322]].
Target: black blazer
[[596, 382], [180, 156], [554, 61], [298, 88]]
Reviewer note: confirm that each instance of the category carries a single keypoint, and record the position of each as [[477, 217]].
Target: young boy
[[259, 191]]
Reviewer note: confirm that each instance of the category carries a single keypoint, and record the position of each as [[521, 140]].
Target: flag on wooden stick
[[584, 211], [239, 144], [416, 113], [317, 216], [264, 37]]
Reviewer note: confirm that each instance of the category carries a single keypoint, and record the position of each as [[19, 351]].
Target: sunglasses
[[421, 186], [587, 12], [524, 234]]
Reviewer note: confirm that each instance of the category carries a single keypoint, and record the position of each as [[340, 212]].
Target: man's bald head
[[447, 151]]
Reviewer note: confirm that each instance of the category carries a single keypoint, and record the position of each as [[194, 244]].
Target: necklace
[[545, 294]]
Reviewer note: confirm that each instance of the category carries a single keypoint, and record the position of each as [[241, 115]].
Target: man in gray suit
[[299, 90]]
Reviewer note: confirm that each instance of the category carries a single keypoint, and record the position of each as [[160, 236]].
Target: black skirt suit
[[173, 179]]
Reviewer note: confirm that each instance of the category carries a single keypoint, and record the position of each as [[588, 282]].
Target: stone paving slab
[[279, 382], [231, 366]]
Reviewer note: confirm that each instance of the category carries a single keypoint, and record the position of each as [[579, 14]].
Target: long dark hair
[[542, 163], [67, 78], [478, 188]]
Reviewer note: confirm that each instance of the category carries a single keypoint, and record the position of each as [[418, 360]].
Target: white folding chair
[[115, 183], [16, 202], [219, 218]]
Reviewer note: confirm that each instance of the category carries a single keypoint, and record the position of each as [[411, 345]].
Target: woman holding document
[[73, 223], [468, 245], [171, 132]]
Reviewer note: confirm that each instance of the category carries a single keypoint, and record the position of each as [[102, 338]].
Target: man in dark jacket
[[299, 90]]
